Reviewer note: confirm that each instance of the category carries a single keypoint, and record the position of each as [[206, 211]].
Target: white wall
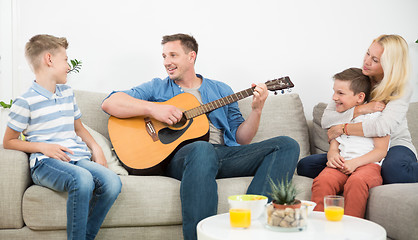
[[241, 42]]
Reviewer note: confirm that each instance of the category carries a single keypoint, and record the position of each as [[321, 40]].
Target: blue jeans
[[92, 190], [400, 166], [198, 164]]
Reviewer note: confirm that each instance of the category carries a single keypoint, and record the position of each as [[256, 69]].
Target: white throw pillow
[[282, 116], [112, 161]]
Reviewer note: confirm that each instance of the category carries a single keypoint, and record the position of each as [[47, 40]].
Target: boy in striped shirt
[[48, 116]]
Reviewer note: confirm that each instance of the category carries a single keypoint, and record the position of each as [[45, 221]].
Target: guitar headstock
[[279, 84]]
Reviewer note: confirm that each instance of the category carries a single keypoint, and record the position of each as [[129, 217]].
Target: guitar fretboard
[[272, 85], [208, 107]]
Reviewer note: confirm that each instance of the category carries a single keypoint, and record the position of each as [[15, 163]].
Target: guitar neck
[[208, 107], [272, 85]]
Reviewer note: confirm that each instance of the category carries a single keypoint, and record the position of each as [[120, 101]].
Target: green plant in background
[[75, 66], [6, 105]]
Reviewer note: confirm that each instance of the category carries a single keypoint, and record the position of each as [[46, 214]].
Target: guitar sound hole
[[181, 123], [168, 135]]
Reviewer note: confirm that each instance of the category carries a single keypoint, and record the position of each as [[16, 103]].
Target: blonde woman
[[387, 64]]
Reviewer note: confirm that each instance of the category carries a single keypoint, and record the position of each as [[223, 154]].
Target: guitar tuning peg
[[289, 90]]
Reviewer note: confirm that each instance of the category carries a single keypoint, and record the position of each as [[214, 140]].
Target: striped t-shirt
[[48, 117]]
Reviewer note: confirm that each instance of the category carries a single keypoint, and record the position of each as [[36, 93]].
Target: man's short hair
[[358, 81], [39, 44], [187, 41]]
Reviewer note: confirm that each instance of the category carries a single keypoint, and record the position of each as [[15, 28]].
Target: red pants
[[355, 187]]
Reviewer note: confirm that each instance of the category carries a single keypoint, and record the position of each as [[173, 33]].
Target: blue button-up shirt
[[227, 118]]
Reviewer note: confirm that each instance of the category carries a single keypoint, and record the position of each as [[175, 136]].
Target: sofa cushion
[[282, 116], [92, 114], [412, 117], [395, 207], [14, 179], [320, 138], [111, 158], [143, 201]]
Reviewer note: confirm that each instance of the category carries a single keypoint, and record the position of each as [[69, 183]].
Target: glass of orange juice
[[240, 218], [334, 207]]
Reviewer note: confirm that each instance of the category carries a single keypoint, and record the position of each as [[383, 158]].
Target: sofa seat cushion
[[144, 201]]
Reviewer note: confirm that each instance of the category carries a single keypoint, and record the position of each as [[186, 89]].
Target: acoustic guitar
[[145, 145]]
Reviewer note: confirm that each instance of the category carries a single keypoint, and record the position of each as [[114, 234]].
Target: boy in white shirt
[[57, 141], [353, 162]]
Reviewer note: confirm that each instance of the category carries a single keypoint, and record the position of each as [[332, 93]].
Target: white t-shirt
[[355, 146], [215, 135]]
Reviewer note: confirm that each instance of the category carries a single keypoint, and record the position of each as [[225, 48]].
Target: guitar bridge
[[150, 129]]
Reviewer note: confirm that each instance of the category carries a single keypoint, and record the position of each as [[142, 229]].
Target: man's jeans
[[198, 164], [92, 190]]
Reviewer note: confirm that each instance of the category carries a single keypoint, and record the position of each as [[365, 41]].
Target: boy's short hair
[[188, 42], [41, 43], [358, 81]]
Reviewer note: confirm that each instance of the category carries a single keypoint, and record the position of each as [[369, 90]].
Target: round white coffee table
[[349, 228]]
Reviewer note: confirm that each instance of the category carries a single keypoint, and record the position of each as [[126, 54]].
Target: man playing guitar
[[227, 154]]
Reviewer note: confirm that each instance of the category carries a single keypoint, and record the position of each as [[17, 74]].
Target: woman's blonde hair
[[396, 68]]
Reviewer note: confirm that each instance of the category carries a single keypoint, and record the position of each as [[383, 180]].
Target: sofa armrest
[[395, 207], [14, 180]]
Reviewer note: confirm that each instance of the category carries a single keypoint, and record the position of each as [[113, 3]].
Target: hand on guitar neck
[[260, 94]]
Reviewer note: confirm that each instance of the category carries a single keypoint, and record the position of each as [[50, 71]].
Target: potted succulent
[[285, 211], [284, 194]]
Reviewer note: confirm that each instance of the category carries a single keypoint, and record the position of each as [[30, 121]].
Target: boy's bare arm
[[335, 160], [378, 153], [11, 141], [97, 152]]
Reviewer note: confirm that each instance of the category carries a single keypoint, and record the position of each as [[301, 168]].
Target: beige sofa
[[149, 206]]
